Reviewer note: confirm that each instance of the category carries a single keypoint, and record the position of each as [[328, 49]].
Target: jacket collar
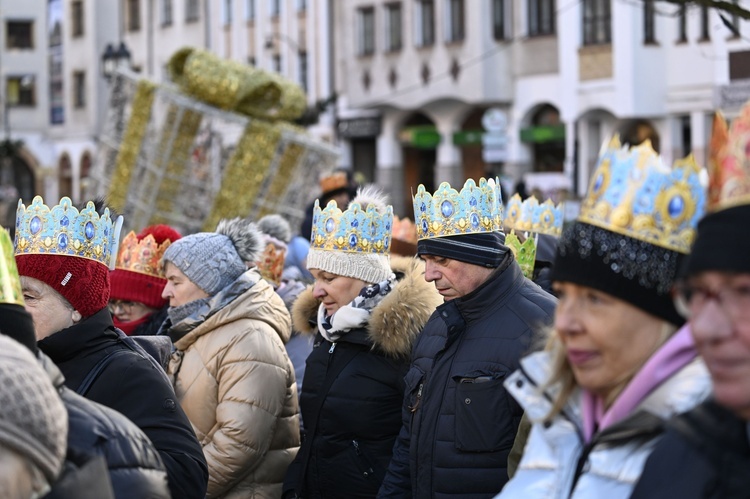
[[90, 334]]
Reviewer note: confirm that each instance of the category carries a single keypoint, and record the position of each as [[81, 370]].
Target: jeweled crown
[[10, 283], [633, 193], [63, 230], [728, 165], [530, 216], [353, 230], [271, 263], [142, 256], [448, 212]]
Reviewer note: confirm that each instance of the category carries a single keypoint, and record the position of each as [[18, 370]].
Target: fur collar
[[397, 320]]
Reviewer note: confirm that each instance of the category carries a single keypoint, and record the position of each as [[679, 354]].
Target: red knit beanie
[[83, 282], [137, 275]]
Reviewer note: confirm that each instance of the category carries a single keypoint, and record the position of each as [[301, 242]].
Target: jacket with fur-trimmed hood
[[233, 378], [360, 415]]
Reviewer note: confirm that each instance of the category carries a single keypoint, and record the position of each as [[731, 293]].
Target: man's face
[[453, 278], [720, 322], [49, 310]]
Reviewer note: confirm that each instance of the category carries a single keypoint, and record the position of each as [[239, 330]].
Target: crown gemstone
[[599, 182], [65, 221], [474, 220], [62, 241], [355, 223], [473, 201], [35, 225], [425, 226], [88, 230], [423, 207], [330, 225], [352, 240], [446, 208], [676, 206]]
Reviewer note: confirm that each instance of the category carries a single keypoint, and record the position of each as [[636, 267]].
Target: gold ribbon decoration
[[130, 146], [10, 283], [234, 86]]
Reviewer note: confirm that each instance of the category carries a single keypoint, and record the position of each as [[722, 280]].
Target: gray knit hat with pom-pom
[[214, 260]]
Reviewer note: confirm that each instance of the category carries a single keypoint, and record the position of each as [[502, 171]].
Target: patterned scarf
[[356, 314]]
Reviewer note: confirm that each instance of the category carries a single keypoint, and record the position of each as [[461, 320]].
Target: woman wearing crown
[[617, 364], [365, 311]]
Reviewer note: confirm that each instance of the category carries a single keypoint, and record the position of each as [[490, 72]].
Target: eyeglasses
[[125, 305], [690, 300]]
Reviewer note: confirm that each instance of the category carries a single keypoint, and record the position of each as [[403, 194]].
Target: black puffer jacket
[[359, 419], [458, 421], [704, 454], [137, 388], [135, 468]]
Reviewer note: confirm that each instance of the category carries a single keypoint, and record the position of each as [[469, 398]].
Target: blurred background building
[[412, 91]]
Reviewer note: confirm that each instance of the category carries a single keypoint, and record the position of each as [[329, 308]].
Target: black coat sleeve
[[132, 386]]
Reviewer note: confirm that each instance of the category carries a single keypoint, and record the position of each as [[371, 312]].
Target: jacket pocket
[[484, 422], [414, 383], [367, 466]]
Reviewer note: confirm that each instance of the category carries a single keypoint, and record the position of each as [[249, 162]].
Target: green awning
[[421, 137], [541, 134]]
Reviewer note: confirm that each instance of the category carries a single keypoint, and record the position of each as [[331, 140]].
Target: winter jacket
[[557, 464], [132, 385], [236, 383], [134, 466], [360, 414], [299, 345], [458, 421], [704, 454]]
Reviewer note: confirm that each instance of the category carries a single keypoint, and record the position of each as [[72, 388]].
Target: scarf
[[130, 326], [178, 314], [356, 314]]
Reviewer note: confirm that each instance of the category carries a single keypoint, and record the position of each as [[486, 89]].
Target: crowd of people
[[497, 361]]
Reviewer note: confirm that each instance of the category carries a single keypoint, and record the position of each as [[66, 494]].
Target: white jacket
[[612, 462]]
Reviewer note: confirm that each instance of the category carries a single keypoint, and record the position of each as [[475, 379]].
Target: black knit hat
[[486, 249], [723, 242], [630, 269]]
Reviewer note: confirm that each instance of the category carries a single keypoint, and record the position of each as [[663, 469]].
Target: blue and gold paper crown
[[63, 230], [448, 212], [633, 193], [353, 230], [530, 216]]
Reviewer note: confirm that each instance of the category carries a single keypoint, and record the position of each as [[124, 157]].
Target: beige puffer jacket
[[236, 384]]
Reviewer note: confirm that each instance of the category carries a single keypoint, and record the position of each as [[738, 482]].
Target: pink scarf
[[675, 354]]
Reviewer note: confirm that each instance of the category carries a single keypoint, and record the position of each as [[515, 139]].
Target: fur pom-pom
[[276, 226], [247, 239], [371, 195]]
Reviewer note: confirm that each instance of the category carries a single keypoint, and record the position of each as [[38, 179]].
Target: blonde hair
[[563, 379]]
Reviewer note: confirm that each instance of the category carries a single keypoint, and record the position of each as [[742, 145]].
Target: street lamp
[[114, 58]]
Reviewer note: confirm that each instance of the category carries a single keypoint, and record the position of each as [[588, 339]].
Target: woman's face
[[179, 289], [335, 291], [606, 339]]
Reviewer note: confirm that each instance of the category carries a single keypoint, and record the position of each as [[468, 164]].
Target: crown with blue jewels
[[354, 230], [633, 193], [530, 216], [63, 230], [448, 212]]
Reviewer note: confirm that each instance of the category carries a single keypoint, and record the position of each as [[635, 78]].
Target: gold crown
[[729, 178], [271, 263], [353, 230], [633, 193], [142, 256], [530, 216], [10, 283]]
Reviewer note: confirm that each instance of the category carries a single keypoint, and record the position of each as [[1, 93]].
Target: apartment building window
[[366, 21], [425, 23], [166, 12], [597, 22], [705, 34], [79, 89], [500, 19], [76, 13], [303, 70], [21, 91], [277, 63], [249, 10], [454, 22], [649, 22], [393, 29], [541, 17], [134, 15], [682, 24], [20, 34], [192, 11], [275, 8], [226, 12]]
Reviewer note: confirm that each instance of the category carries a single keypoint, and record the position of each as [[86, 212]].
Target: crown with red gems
[[728, 166], [63, 230]]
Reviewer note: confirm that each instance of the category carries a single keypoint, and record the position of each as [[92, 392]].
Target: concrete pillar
[[448, 157], [389, 173], [699, 136]]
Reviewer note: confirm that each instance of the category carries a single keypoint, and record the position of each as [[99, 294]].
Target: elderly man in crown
[[458, 422], [64, 255]]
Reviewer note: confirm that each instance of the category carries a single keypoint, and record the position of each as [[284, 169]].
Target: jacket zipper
[[414, 408], [357, 450], [333, 347]]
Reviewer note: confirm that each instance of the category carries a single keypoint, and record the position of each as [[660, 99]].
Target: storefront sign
[[421, 137], [359, 128], [541, 134]]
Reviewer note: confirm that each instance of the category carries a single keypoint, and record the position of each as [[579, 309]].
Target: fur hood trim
[[397, 320]]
